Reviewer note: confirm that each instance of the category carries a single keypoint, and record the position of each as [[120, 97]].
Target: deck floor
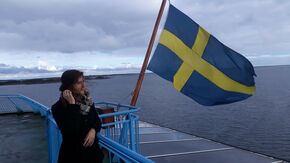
[[23, 139], [164, 145]]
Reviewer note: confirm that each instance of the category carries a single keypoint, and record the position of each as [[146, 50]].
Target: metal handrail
[[118, 113], [122, 149], [117, 104], [122, 152]]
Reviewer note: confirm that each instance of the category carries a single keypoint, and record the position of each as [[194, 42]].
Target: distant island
[[47, 80], [55, 79]]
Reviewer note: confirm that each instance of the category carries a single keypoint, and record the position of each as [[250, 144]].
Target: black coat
[[74, 127]]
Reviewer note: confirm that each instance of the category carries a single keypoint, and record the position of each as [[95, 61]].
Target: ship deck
[[165, 145], [23, 139]]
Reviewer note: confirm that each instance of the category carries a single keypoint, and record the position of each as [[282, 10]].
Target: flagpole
[[148, 52]]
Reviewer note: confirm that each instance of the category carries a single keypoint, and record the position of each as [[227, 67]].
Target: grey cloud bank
[[44, 36], [72, 26], [252, 27]]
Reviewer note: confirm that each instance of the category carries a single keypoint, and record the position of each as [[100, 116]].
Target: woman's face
[[79, 87]]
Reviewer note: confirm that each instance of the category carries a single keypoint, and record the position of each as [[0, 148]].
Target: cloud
[[29, 64], [251, 27], [8, 69], [73, 26], [43, 70], [269, 60], [42, 38], [49, 35]]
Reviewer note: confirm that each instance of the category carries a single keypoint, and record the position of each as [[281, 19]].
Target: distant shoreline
[[55, 79], [88, 77]]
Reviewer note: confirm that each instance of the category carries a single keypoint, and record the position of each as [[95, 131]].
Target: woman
[[77, 120]]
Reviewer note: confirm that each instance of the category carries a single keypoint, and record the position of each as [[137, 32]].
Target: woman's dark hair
[[68, 78]]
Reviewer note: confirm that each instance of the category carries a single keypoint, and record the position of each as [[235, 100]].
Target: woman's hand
[[67, 94], [90, 138]]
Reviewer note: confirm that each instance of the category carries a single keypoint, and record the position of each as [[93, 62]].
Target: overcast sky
[[51, 35]]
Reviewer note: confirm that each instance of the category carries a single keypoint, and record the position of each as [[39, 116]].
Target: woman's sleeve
[[95, 121], [67, 119]]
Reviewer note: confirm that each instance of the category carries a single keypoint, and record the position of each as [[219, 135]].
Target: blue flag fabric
[[200, 66]]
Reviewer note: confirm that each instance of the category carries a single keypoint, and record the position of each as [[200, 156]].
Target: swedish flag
[[199, 65]]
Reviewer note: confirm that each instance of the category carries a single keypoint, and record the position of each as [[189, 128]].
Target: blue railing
[[120, 137], [124, 128]]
